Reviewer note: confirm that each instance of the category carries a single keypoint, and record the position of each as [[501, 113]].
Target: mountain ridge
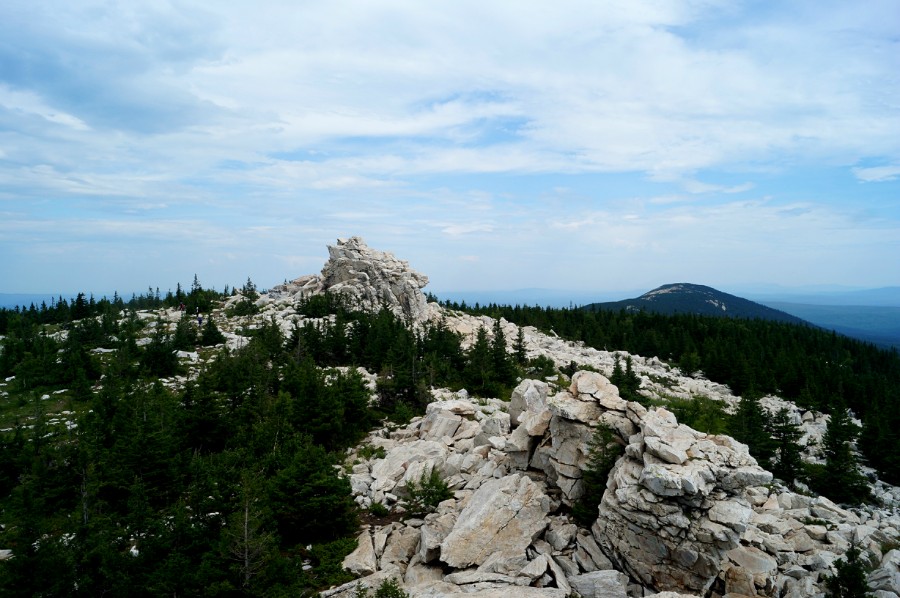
[[689, 298]]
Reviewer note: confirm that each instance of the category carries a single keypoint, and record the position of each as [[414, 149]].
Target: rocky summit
[[367, 278]]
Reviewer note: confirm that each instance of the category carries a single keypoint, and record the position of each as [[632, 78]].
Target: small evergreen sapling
[[426, 494], [849, 581], [604, 452], [389, 588]]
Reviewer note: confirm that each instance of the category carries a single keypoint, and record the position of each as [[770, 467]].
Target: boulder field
[[683, 511]]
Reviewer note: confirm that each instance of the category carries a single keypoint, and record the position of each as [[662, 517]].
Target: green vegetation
[[840, 479], [787, 463], [114, 480], [378, 510], [850, 579], [751, 425], [424, 496], [114, 483], [604, 452], [389, 588], [699, 412], [626, 380]]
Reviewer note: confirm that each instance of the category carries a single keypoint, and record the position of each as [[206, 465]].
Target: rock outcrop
[[683, 511], [367, 278], [675, 504]]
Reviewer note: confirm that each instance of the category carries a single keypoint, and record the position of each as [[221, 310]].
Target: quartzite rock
[[504, 515], [670, 521]]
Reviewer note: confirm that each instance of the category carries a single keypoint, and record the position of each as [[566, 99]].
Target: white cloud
[[455, 230], [452, 125], [30, 103], [878, 174]]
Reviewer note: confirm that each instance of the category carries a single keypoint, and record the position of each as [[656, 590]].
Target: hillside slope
[[686, 298]]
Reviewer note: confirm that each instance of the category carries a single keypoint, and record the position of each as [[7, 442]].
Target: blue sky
[[494, 145]]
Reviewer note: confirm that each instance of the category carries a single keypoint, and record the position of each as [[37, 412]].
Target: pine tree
[[788, 462]]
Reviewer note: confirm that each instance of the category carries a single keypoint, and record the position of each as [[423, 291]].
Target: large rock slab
[[528, 396], [390, 470], [362, 561], [600, 584], [441, 590], [587, 385], [504, 515]]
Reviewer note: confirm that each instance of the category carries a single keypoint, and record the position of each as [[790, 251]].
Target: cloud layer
[[614, 144]]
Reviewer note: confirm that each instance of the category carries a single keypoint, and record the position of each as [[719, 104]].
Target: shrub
[[389, 588], [327, 560], [426, 494], [700, 413], [541, 367], [367, 451], [244, 307]]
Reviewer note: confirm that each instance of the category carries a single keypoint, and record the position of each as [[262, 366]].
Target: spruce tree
[[521, 355], [842, 481], [627, 381], [211, 335], [787, 463], [501, 363], [479, 370], [849, 581], [750, 424], [604, 452]]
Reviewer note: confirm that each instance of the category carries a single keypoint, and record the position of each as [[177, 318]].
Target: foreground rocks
[[684, 514]]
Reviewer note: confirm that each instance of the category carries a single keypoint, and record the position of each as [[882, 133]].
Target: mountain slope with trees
[[684, 298]]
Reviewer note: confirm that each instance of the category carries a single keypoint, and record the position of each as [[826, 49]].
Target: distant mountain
[[685, 298], [879, 325]]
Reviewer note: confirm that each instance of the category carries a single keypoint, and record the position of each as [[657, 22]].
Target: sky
[[583, 145]]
